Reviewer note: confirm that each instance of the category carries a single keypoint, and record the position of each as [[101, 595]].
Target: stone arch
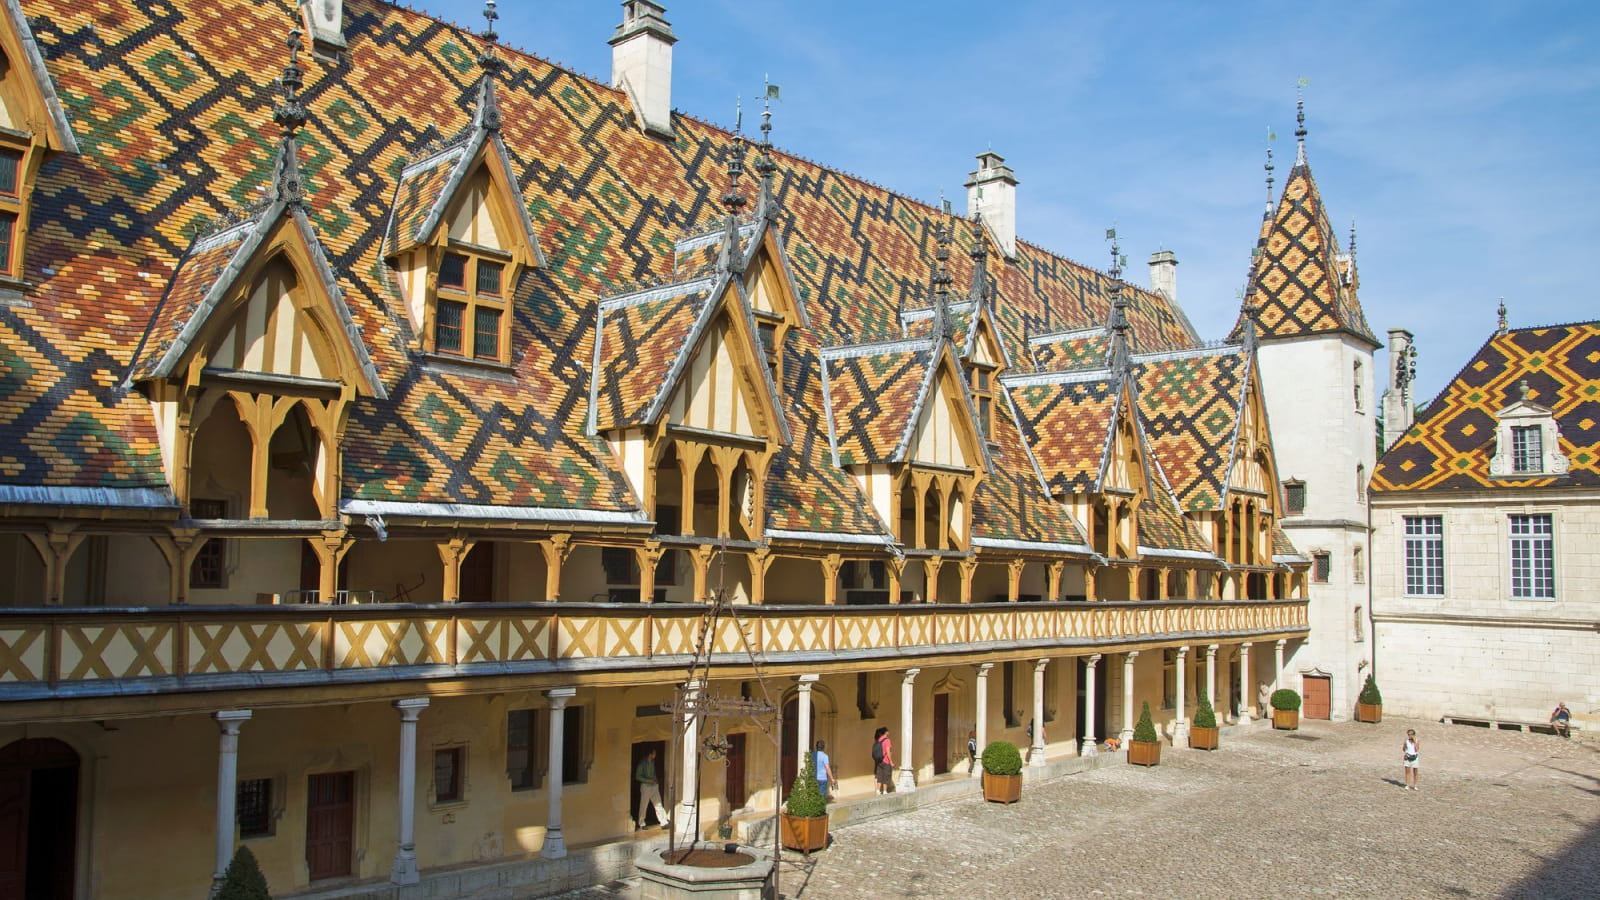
[[220, 455], [294, 457]]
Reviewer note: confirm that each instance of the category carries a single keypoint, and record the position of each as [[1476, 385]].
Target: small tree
[[243, 879], [1204, 715], [1369, 693], [1286, 699], [1002, 758], [805, 797], [1145, 731]]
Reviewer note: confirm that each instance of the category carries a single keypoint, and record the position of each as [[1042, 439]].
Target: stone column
[[1277, 664], [1180, 724], [404, 870], [908, 772], [555, 843], [1090, 741], [227, 788], [1247, 695], [982, 718], [1211, 674], [803, 720], [1036, 748], [686, 818], [1127, 695]]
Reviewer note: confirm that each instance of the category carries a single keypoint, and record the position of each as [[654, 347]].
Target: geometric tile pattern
[[1296, 280], [1449, 446], [1067, 426], [1189, 406], [1010, 503], [874, 394], [1072, 350], [641, 340], [1163, 527]]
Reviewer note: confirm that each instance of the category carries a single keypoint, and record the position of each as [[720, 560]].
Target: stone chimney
[[641, 63], [1399, 407], [1164, 274], [992, 193], [324, 20]]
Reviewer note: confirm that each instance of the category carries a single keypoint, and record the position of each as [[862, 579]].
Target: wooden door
[[737, 792], [330, 824], [14, 833], [941, 733], [1317, 695]]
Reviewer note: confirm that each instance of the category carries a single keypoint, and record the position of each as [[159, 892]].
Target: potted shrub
[[805, 814], [1203, 732], [1285, 709], [1002, 772], [1145, 748], [243, 879], [1369, 706]]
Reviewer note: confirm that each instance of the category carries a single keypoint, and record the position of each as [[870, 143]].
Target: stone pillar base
[[1180, 734], [555, 845], [907, 782], [1090, 747], [404, 870]]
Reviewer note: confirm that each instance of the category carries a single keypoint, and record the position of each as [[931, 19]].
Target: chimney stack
[[324, 21], [992, 193], [641, 63], [1164, 274]]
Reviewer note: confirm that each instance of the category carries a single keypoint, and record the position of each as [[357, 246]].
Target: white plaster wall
[[1476, 650]]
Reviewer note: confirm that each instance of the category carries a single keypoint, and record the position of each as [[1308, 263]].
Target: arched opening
[[220, 463], [1150, 584], [956, 515], [1178, 584], [1255, 586], [908, 516], [742, 501], [38, 819], [293, 457], [932, 509], [707, 493], [1100, 530]]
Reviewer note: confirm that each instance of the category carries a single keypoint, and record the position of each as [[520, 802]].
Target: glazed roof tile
[[1163, 527], [644, 338], [1066, 423], [1086, 348], [1189, 405], [1449, 447], [875, 393]]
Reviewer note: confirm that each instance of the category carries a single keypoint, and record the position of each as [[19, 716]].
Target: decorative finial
[[981, 289], [942, 328], [1271, 136], [1300, 120], [1501, 328], [733, 200], [1119, 307], [1522, 389], [1252, 322], [765, 167], [488, 61], [291, 113]]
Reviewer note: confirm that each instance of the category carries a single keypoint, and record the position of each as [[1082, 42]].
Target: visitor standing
[[1410, 755], [822, 766], [883, 760], [649, 789]]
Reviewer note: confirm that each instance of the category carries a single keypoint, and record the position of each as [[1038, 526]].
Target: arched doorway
[[791, 735], [38, 820]]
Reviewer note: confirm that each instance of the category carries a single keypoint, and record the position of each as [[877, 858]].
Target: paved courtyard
[[1319, 812]]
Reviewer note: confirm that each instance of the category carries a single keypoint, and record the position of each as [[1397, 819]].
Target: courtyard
[[1317, 812]]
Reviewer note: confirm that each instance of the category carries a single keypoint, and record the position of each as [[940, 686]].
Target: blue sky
[[1461, 137]]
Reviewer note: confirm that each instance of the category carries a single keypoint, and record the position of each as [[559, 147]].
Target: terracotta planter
[[806, 834], [1369, 712], [1002, 788], [1144, 753], [1202, 738], [1286, 719]]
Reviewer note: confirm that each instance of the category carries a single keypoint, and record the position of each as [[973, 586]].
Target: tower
[[1316, 358]]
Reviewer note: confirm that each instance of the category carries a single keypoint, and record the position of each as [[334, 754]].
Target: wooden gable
[[1254, 467], [946, 433], [723, 385]]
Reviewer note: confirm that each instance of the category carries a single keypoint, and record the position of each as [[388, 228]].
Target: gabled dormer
[[33, 126], [774, 299], [460, 240], [1527, 440]]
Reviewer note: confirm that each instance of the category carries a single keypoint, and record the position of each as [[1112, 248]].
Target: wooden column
[[1056, 570], [556, 549], [760, 561], [647, 557], [1014, 579], [930, 569], [451, 553], [830, 578], [969, 568]]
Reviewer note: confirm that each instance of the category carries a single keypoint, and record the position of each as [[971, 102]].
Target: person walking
[[883, 760], [1410, 754], [972, 752], [649, 789], [822, 767]]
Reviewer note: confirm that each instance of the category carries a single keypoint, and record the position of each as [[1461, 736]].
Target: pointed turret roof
[[1297, 279]]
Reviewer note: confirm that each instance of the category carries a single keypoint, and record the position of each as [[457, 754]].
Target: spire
[[291, 116], [1270, 138], [1350, 276], [981, 290], [733, 201], [1300, 120], [943, 329], [488, 111], [766, 201], [1120, 349], [1501, 328], [1252, 315]]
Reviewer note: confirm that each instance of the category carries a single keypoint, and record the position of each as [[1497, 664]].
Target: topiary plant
[[243, 879], [1369, 693], [1002, 758], [805, 797], [1286, 699], [1204, 715], [1146, 729]]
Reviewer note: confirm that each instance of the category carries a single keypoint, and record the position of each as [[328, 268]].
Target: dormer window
[[470, 318], [1527, 448], [10, 210], [1527, 441], [983, 398]]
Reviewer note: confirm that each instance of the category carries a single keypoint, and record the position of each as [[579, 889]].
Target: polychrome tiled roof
[[1449, 447], [644, 337], [1295, 279], [420, 193], [1189, 405], [171, 108], [1066, 422], [1163, 527], [1082, 349], [875, 394], [1010, 505]]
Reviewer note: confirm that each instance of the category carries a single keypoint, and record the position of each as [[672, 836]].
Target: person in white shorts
[[1410, 754]]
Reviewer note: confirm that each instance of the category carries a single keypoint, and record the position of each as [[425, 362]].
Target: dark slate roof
[[1450, 446]]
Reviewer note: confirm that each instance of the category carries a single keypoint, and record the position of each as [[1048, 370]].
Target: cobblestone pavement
[[1318, 812]]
